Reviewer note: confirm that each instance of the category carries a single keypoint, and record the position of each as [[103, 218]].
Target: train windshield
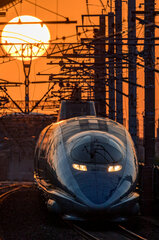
[[96, 149]]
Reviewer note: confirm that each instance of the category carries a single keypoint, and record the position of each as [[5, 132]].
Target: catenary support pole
[[100, 70], [111, 79], [132, 69], [119, 85], [149, 120]]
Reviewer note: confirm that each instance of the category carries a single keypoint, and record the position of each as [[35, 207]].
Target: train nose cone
[[97, 186], [96, 151]]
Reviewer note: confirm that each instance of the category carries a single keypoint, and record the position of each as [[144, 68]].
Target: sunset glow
[[22, 35]]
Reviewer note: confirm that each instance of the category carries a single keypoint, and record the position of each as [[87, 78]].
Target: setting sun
[[27, 38]]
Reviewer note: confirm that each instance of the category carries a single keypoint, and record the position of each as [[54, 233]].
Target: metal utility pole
[[26, 67], [132, 69], [149, 123], [119, 87], [99, 65], [111, 66]]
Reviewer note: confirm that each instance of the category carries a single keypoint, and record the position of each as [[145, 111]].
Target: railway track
[[129, 234], [83, 233], [148, 227], [119, 233], [7, 189]]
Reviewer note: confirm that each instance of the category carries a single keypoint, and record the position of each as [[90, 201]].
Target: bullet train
[[87, 168]]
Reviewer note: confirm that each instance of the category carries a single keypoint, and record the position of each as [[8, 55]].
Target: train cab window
[[96, 150]]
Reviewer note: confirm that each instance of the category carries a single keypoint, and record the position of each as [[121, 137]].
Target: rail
[[12, 188], [127, 233], [83, 233]]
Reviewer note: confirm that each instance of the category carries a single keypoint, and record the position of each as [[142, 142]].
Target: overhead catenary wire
[[123, 34], [48, 10], [102, 5], [21, 39], [15, 9]]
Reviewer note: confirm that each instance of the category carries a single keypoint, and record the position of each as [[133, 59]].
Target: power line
[[48, 10]]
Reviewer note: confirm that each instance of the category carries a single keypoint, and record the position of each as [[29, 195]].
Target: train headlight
[[79, 167], [114, 168]]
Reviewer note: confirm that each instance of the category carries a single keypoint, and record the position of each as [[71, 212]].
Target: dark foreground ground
[[23, 216]]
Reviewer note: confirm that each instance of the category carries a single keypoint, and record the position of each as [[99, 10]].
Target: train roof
[[75, 125], [70, 109]]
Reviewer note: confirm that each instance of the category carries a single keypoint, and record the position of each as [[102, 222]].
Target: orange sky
[[12, 71]]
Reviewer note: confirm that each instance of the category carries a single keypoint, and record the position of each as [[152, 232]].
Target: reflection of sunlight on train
[[36, 34], [87, 166]]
